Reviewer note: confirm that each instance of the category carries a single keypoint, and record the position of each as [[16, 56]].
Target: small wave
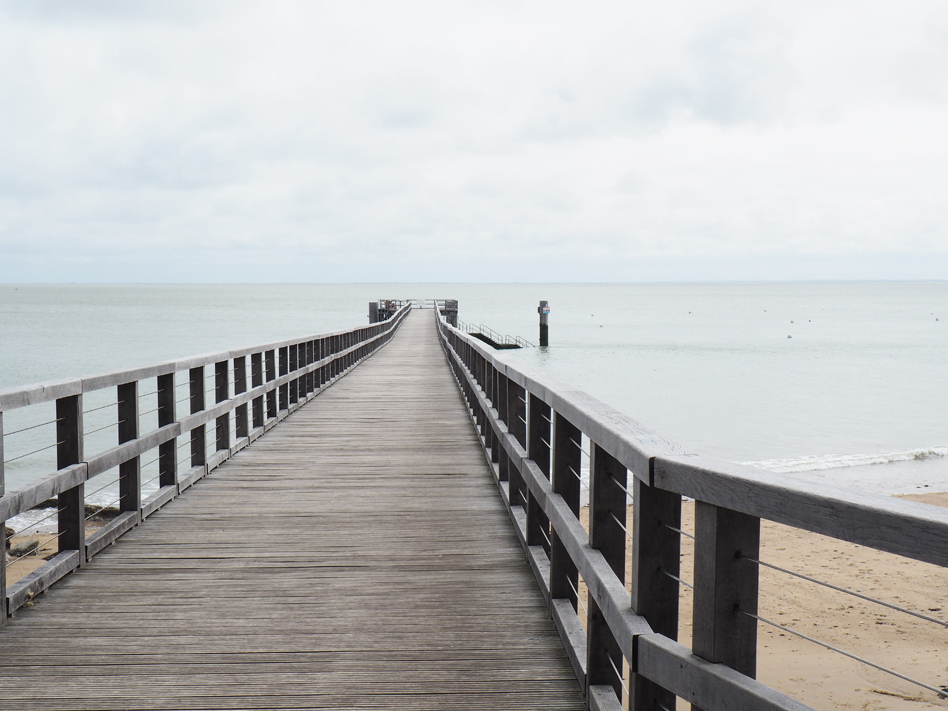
[[815, 463]]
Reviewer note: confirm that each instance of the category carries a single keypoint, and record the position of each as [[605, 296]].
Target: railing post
[[538, 449], [167, 451], [517, 408], [284, 370], [656, 556], [69, 451], [566, 461], [256, 380], [199, 433], [503, 460], [241, 419], [495, 445], [221, 393], [320, 354], [725, 586], [607, 506], [271, 376], [130, 474], [294, 385]]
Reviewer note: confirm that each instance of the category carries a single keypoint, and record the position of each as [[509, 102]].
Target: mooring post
[[544, 312]]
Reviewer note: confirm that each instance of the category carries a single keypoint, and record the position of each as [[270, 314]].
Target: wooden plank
[[573, 636], [603, 698], [36, 582], [111, 531], [907, 528], [713, 687], [14, 398], [16, 502], [158, 499]]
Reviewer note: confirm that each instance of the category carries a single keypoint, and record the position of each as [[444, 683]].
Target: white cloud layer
[[475, 141]]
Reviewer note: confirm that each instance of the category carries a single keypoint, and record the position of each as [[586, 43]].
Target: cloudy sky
[[473, 141]]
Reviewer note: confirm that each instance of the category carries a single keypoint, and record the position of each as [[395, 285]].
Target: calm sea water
[[842, 382]]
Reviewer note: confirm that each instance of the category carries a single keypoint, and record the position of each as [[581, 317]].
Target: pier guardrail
[[537, 435], [140, 416]]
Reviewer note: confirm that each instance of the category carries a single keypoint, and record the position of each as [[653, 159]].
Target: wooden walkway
[[358, 557]]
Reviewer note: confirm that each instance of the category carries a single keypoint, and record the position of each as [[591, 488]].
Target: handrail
[[536, 432], [282, 376]]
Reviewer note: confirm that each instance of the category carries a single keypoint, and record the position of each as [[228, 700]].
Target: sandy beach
[[822, 678], [819, 677]]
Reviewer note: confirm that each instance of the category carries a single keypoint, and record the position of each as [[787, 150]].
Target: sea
[[842, 383]]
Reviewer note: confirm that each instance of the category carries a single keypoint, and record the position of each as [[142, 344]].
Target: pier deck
[[358, 556]]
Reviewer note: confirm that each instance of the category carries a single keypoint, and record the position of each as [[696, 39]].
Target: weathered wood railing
[[533, 430], [283, 376]]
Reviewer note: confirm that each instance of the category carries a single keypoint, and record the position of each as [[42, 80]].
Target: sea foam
[[813, 463]]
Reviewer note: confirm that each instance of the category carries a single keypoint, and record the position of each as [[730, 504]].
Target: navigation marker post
[[544, 312]]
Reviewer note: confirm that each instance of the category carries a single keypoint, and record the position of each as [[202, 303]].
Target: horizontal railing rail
[[232, 398], [543, 439]]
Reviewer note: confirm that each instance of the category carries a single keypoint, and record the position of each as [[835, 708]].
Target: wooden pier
[[373, 549], [358, 556]]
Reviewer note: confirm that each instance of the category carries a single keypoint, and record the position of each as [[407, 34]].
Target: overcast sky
[[473, 141]]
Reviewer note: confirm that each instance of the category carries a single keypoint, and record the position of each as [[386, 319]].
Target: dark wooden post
[[130, 474], [69, 451], [320, 354], [607, 504], [538, 449], [725, 585], [566, 461], [271, 375], [221, 393], [294, 388], [503, 460], [256, 380], [241, 419], [544, 311], [284, 370], [167, 454], [656, 556], [517, 409], [198, 434], [493, 379], [309, 361]]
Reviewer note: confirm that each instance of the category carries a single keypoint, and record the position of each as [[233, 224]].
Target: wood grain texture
[[358, 556]]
